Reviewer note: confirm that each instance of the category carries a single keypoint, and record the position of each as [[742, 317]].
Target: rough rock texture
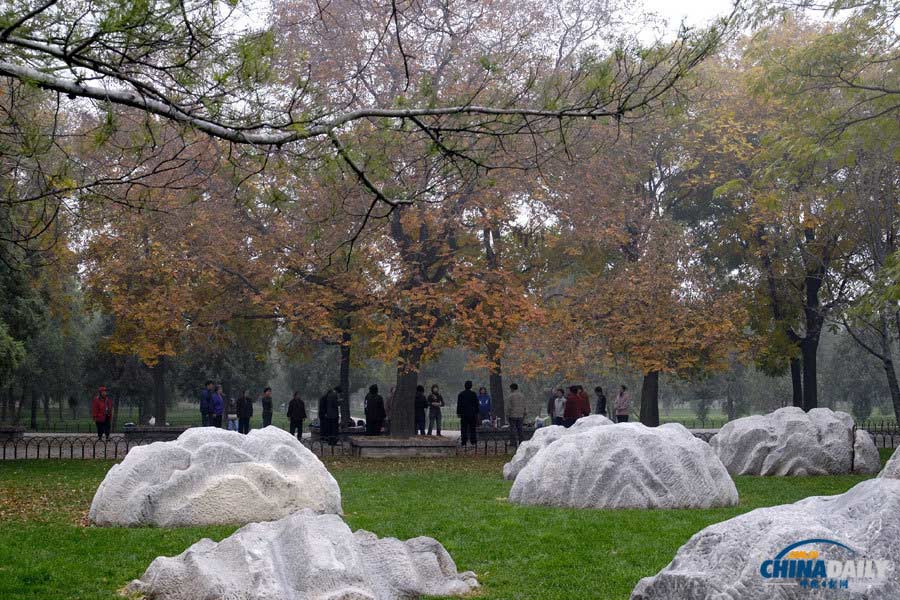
[[543, 437], [723, 561], [865, 455], [212, 476], [305, 556], [626, 466], [790, 441], [892, 468]]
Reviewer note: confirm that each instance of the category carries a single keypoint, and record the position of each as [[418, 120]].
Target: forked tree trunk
[[650, 399]]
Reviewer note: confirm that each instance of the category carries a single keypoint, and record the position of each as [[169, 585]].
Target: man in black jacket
[[328, 415], [375, 414], [244, 412], [467, 409], [296, 413]]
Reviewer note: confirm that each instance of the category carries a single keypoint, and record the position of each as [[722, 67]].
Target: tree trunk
[[45, 399], [158, 406], [403, 418], [17, 416], [809, 350], [346, 419], [34, 405], [495, 382], [797, 382], [115, 413], [60, 407], [650, 399], [887, 360]]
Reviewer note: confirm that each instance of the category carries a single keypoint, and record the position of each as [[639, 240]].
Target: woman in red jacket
[[101, 410]]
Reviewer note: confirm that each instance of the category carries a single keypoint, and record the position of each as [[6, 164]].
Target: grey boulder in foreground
[[545, 436], [305, 556], [212, 476], [790, 441], [626, 466], [855, 536], [892, 468]]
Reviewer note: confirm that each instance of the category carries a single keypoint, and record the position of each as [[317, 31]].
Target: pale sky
[[695, 12]]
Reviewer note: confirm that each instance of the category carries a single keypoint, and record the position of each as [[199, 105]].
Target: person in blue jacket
[[484, 405]]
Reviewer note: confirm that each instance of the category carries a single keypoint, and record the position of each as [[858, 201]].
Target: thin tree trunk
[[809, 349], [346, 419], [797, 382], [495, 382], [650, 399], [34, 405], [158, 372], [60, 407], [45, 399]]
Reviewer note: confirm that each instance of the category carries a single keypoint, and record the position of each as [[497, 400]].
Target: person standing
[[572, 411], [296, 412], [559, 407], [484, 405], [244, 412], [421, 403], [516, 412], [623, 405], [218, 408], [231, 416], [266, 402], [101, 411], [206, 403], [584, 402], [601, 401], [435, 402], [468, 410], [329, 407], [375, 412]]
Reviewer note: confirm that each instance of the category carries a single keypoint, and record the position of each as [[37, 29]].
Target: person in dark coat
[[328, 415], [420, 406], [244, 412], [206, 404], [601, 401], [296, 412], [467, 409], [266, 402], [435, 402], [375, 413]]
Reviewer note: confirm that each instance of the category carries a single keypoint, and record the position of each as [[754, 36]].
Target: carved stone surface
[[543, 437], [212, 476], [626, 466], [726, 560], [790, 441], [305, 556]]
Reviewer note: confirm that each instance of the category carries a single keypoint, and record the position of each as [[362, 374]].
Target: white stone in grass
[[892, 468], [305, 556], [213, 476], [790, 441], [543, 437], [725, 561], [626, 466]]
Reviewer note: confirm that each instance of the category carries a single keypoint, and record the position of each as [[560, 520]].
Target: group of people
[[565, 407], [236, 412]]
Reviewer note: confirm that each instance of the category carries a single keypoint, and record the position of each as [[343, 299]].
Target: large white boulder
[[626, 466], [892, 468], [790, 441], [728, 560], [212, 476], [305, 556], [543, 437]]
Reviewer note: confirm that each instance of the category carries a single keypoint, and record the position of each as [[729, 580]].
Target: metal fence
[[117, 446]]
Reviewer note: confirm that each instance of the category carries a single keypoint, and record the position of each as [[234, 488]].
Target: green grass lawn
[[47, 552]]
